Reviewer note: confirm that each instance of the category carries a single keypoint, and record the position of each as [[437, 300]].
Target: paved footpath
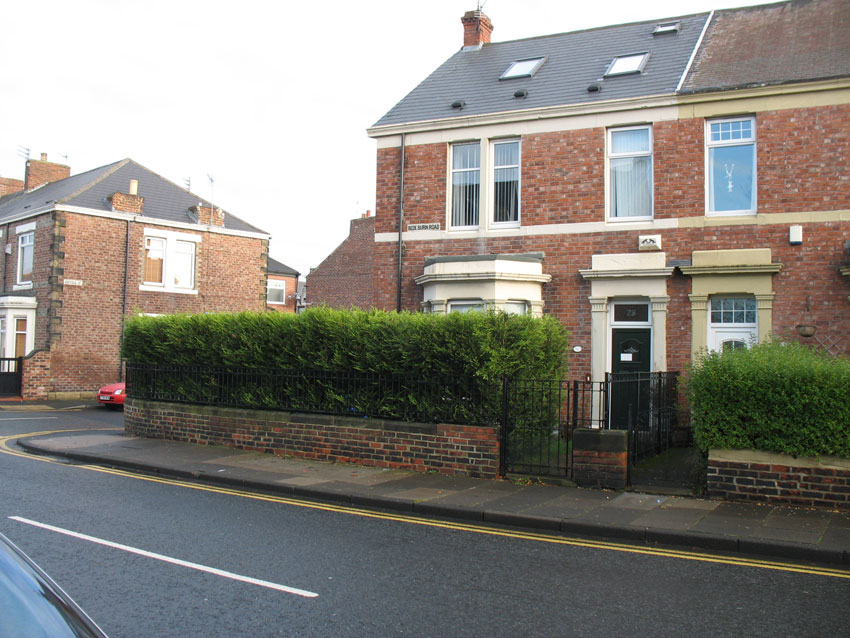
[[819, 536]]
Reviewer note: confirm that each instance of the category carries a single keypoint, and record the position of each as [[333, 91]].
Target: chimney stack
[[476, 29], [208, 215], [130, 202], [40, 172]]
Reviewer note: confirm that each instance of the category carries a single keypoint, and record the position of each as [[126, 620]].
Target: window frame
[[709, 177], [491, 194], [644, 58], [22, 237], [474, 305], [452, 172], [507, 75], [609, 173], [746, 331], [276, 284], [175, 245]]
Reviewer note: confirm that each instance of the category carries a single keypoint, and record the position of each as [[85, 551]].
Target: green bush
[[442, 367], [773, 397]]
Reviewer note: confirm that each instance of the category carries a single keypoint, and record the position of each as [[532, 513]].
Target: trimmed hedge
[[482, 345], [412, 367], [772, 397]]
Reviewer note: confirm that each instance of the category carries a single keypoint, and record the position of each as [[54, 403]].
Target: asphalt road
[[325, 572]]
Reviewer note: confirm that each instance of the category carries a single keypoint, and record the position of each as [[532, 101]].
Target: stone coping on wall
[[775, 458]]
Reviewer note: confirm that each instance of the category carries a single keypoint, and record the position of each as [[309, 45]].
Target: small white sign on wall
[[73, 282], [625, 356]]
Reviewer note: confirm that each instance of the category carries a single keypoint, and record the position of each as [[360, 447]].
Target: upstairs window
[[466, 185], [621, 65], [731, 167], [522, 68], [630, 172], [506, 182], [169, 261], [26, 246]]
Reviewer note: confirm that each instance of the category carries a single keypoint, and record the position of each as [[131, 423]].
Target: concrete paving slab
[[420, 494], [702, 504], [798, 519], [787, 535], [748, 511], [681, 519], [612, 516], [638, 501]]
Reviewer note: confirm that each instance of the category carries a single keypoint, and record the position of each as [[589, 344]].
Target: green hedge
[[773, 397], [482, 345]]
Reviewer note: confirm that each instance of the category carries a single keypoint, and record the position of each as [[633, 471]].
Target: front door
[[630, 364]]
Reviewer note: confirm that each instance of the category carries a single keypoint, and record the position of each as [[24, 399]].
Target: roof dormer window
[[667, 27], [522, 68], [621, 65]]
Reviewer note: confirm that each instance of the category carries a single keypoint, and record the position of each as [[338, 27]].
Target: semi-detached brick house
[[82, 252], [661, 187]]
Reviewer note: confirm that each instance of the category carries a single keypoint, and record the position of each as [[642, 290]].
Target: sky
[[262, 104]]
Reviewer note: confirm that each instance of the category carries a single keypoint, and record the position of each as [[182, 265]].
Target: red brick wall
[[345, 278], [291, 288], [802, 160], [9, 185], [447, 449], [40, 172], [785, 482]]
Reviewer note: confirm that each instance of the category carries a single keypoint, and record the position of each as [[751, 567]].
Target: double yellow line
[[449, 525]]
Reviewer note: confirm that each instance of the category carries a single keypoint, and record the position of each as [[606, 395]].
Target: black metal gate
[[538, 419], [10, 376], [645, 404]]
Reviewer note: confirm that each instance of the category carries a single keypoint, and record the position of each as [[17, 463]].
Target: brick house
[[345, 278], [281, 287], [82, 252], [662, 187]]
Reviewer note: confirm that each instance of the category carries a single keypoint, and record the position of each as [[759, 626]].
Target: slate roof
[[277, 268], [773, 44], [163, 199], [574, 61]]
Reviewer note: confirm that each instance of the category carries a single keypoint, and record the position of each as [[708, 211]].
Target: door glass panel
[[631, 312]]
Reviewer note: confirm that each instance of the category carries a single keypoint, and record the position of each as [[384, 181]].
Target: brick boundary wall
[[600, 458], [444, 448], [748, 475], [35, 376]]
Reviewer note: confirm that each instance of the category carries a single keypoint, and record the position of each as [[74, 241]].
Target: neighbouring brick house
[[82, 252], [661, 187], [282, 287], [345, 278]]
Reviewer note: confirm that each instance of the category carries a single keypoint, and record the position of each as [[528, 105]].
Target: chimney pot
[[134, 187], [44, 157]]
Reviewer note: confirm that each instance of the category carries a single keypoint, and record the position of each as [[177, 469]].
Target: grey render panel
[[574, 61], [163, 199]]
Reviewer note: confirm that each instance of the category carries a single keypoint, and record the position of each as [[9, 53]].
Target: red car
[[112, 394]]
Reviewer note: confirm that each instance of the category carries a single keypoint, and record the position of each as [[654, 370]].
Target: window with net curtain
[[630, 165], [466, 184], [506, 182]]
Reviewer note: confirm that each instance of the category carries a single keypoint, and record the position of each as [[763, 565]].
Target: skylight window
[[667, 27], [522, 68], [627, 64]]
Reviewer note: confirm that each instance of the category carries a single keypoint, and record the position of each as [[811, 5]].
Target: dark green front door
[[630, 365]]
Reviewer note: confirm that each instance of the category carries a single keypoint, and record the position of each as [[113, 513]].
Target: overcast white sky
[[271, 98]]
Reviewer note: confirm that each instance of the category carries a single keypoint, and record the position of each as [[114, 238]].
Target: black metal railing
[[431, 400], [646, 404]]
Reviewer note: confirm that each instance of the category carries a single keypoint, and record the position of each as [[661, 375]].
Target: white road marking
[[168, 559], [30, 418]]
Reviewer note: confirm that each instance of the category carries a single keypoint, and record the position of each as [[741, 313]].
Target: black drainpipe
[[400, 224], [124, 295]]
